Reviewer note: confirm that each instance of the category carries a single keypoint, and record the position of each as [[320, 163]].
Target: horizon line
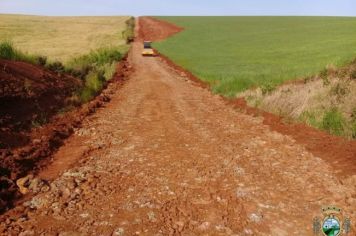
[[250, 15]]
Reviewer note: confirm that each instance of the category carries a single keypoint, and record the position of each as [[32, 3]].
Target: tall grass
[[334, 122], [326, 101], [129, 33], [9, 52], [94, 82], [97, 58], [96, 68]]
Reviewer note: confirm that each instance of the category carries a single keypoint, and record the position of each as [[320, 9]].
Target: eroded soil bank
[[31, 95]]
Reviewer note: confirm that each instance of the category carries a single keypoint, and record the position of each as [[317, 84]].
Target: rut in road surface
[[169, 158]]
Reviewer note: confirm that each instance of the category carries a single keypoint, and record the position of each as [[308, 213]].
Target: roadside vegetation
[[95, 69], [238, 53], [325, 101], [96, 45], [129, 33], [7, 51]]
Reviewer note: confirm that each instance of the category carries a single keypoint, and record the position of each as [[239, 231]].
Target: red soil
[[29, 95], [151, 29], [27, 92], [340, 152]]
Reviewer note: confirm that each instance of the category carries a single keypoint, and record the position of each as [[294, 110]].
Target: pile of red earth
[[148, 30], [32, 125], [29, 96]]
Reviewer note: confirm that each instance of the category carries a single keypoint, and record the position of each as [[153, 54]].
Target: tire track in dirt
[[169, 158]]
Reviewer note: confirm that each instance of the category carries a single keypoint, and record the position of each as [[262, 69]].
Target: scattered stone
[[23, 184], [255, 217], [72, 184], [205, 226], [29, 183], [45, 188], [239, 171], [118, 232], [36, 185], [179, 225], [35, 203], [248, 231], [27, 233], [65, 193], [36, 141], [151, 216], [240, 192]]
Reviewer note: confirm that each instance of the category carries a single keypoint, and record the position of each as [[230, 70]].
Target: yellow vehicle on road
[[147, 49]]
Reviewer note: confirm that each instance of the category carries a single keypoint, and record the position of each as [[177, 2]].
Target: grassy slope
[[86, 47], [61, 38], [327, 103], [235, 53]]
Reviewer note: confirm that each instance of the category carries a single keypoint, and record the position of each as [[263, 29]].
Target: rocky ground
[[20, 111], [166, 157]]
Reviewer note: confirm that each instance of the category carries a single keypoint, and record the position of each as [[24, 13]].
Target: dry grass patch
[[326, 101], [62, 38]]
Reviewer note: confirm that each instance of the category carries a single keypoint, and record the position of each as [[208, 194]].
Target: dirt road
[[166, 157]]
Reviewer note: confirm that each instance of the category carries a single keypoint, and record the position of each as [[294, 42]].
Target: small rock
[[118, 232], [65, 193], [45, 188], [248, 231], [22, 219], [35, 203], [35, 185], [84, 215], [255, 217], [204, 226], [151, 216], [240, 192], [36, 141], [8, 221], [179, 225], [72, 184], [23, 184], [27, 233], [239, 171]]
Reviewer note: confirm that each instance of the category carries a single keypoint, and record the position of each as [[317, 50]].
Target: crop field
[[61, 38], [237, 53]]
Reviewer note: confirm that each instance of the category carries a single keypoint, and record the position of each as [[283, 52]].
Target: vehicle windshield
[[147, 45]]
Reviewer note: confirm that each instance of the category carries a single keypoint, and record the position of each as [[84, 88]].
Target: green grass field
[[236, 53], [62, 38]]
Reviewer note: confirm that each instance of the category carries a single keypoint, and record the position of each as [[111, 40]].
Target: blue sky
[[180, 7]]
